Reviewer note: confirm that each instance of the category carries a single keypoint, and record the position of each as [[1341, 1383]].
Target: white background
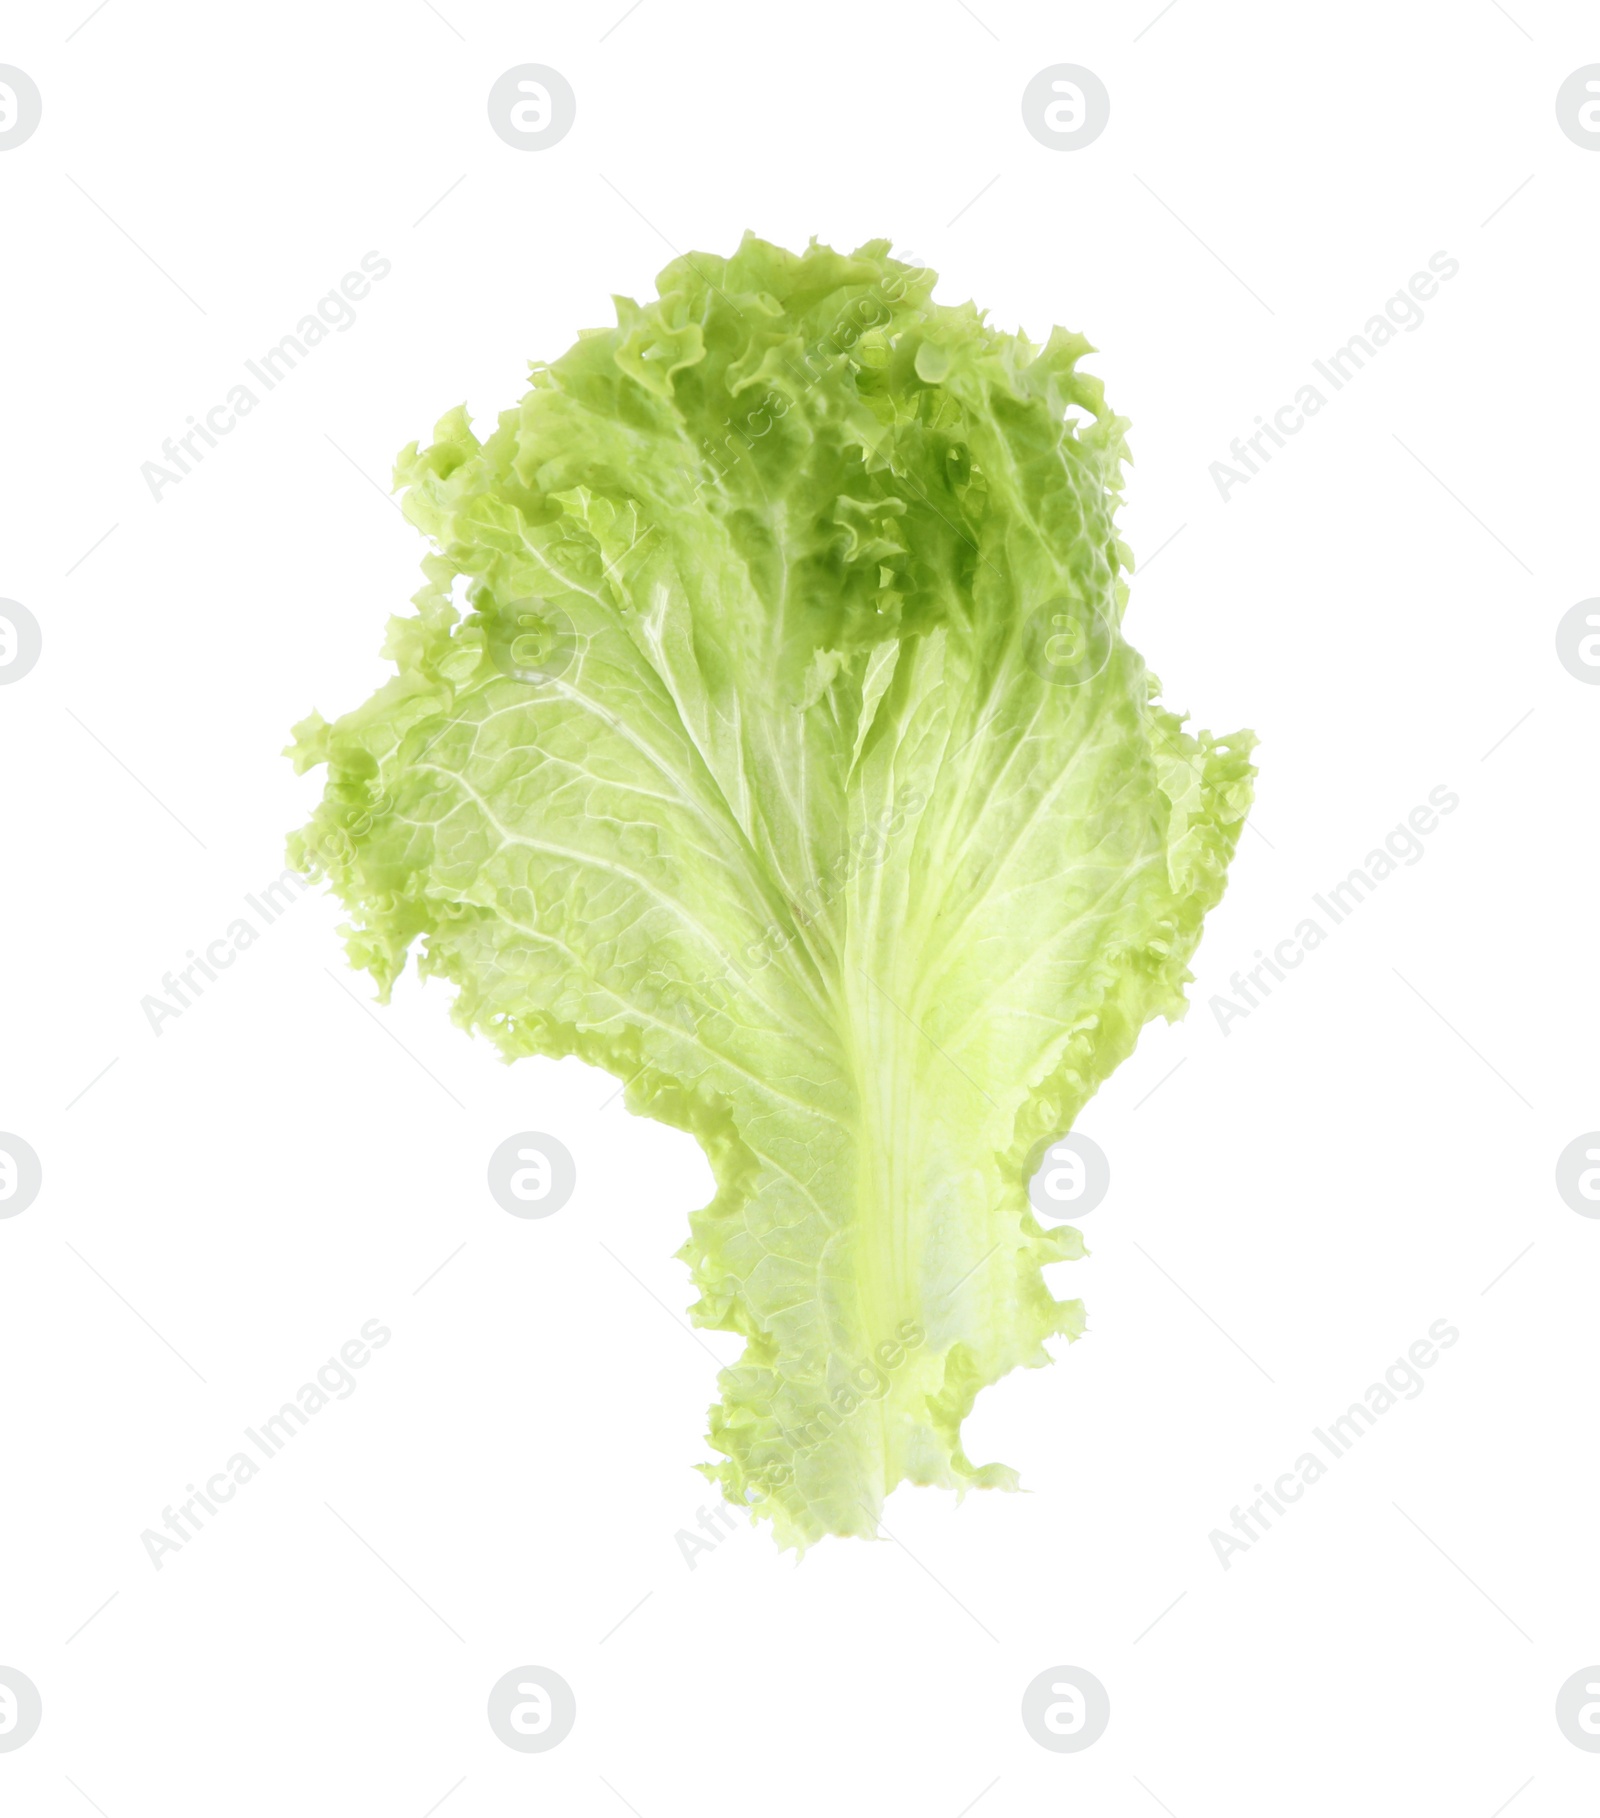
[[1325, 1180]]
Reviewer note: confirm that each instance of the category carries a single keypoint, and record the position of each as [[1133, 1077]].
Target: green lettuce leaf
[[788, 761]]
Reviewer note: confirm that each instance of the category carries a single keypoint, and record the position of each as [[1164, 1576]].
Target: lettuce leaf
[[766, 735]]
